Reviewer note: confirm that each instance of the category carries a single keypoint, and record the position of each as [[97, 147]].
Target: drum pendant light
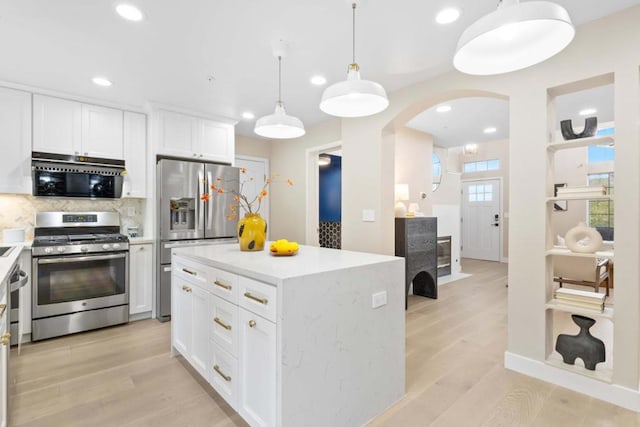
[[515, 36], [354, 97], [279, 125]]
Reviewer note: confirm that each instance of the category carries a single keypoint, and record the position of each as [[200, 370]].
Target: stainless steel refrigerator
[[186, 218]]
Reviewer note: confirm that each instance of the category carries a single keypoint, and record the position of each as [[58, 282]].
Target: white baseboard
[[504, 260], [139, 316], [612, 393]]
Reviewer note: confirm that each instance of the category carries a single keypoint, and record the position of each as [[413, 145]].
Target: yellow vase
[[252, 232]]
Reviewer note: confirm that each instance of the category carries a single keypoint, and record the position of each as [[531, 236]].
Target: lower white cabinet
[[257, 369], [140, 278], [181, 315], [200, 329], [4, 357]]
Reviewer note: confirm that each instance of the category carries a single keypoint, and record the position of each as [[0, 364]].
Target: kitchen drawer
[[190, 271], [223, 284], [223, 326], [257, 297], [223, 373]]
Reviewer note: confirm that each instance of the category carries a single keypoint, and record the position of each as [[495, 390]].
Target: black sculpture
[[584, 345], [590, 128]]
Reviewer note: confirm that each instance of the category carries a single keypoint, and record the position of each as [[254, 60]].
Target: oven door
[[70, 284]]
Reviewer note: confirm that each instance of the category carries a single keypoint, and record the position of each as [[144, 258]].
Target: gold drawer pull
[[3, 308], [193, 273], [252, 323], [260, 300], [227, 378], [222, 285], [6, 338], [221, 323], [186, 289]]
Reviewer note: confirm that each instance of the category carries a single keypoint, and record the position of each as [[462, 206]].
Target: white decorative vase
[[583, 239]]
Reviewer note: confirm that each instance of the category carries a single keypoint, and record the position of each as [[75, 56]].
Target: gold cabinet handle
[[186, 289], [193, 273], [222, 285], [252, 323], [260, 300], [221, 323], [6, 338], [3, 308], [227, 378]]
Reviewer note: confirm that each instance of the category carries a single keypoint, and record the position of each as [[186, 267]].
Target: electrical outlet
[[368, 215], [131, 211], [379, 299]]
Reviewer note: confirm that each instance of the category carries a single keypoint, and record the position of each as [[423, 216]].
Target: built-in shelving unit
[[600, 374], [554, 304], [581, 142], [580, 197], [562, 251]]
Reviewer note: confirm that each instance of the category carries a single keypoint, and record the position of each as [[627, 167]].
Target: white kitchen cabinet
[[4, 357], [102, 132], [15, 140], [57, 125], [140, 278], [73, 128], [187, 136], [217, 142], [181, 315], [257, 369], [135, 155]]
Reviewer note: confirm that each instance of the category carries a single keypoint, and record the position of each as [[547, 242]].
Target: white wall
[[413, 165]]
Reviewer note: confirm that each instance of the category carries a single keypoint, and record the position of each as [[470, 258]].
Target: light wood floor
[[123, 376]]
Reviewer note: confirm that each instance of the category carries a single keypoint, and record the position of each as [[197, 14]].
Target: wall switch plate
[[379, 299], [131, 211], [368, 215]]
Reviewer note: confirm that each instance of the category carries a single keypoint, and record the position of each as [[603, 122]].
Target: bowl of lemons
[[283, 247]]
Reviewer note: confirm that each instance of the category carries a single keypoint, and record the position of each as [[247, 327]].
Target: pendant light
[[515, 36], [354, 97], [279, 125]]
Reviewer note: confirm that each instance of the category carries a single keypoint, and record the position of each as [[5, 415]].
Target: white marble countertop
[[271, 269]]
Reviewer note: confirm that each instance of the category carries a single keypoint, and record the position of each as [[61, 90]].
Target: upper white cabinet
[[187, 136], [102, 132], [135, 155], [70, 127], [15, 140]]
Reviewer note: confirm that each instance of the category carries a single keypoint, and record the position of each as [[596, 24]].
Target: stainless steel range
[[80, 273]]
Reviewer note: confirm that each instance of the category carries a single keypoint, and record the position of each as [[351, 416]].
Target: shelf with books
[[554, 304], [581, 142]]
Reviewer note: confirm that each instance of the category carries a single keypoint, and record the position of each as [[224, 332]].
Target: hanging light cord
[[353, 8], [279, 80]]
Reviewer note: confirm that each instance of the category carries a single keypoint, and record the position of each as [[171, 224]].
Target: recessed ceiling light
[[588, 111], [443, 109], [248, 115], [129, 12], [447, 16], [101, 81], [318, 80], [490, 130]]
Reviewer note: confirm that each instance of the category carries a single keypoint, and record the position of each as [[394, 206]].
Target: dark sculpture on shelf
[[584, 345], [590, 128]]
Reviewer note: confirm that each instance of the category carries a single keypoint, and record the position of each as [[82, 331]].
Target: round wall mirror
[[436, 172]]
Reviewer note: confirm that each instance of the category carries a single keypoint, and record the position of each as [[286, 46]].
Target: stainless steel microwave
[[57, 175]]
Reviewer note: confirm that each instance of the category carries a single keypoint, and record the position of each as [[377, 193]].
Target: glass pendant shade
[[279, 125], [354, 97], [515, 36]]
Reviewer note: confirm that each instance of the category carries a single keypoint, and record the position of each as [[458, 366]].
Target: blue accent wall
[[331, 191]]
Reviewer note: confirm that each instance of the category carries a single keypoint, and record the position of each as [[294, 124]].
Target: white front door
[[258, 169], [481, 220]]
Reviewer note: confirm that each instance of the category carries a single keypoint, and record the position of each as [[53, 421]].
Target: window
[[482, 166], [602, 153], [480, 193], [601, 211]]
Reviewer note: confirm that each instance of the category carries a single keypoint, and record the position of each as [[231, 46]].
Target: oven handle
[[79, 259], [17, 284]]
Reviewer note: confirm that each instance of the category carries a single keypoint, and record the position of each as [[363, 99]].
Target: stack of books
[[591, 191], [580, 299]]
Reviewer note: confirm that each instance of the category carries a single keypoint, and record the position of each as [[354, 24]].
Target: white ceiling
[[166, 58]]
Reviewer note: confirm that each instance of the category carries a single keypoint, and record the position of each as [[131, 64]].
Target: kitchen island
[[315, 339]]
